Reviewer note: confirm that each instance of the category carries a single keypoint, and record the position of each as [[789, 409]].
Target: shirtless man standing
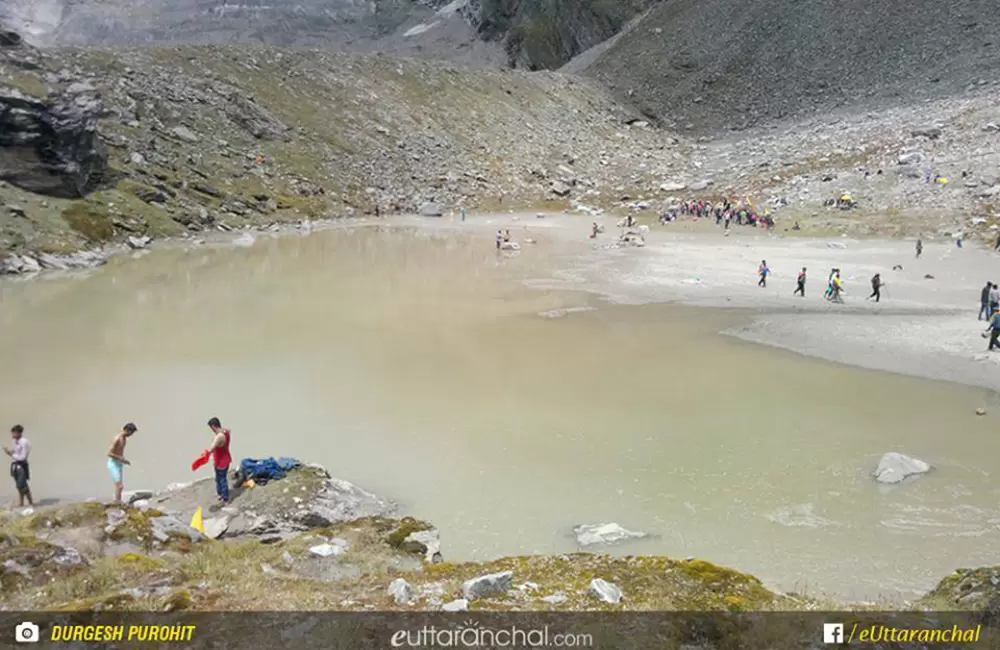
[[116, 459]]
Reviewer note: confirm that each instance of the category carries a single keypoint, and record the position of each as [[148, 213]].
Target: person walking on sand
[[837, 287], [994, 331], [984, 302], [499, 238], [221, 458], [876, 287], [800, 284], [763, 272], [19, 470], [117, 460], [920, 247], [994, 298]]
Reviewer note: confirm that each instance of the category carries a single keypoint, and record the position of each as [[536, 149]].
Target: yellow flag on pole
[[196, 521]]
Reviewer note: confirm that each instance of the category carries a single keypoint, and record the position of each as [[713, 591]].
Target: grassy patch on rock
[[89, 219]]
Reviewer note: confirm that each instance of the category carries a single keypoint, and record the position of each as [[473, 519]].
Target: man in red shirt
[[221, 458]]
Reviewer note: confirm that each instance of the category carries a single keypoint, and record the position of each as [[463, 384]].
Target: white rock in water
[[327, 550], [245, 240], [895, 467], [401, 591], [493, 584], [460, 605], [605, 591], [593, 534]]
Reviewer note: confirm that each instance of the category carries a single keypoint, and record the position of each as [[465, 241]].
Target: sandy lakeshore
[[923, 326]]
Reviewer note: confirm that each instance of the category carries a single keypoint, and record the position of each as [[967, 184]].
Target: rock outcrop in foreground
[[312, 542]]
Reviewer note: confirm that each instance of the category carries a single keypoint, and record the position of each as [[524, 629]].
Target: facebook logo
[[833, 632]]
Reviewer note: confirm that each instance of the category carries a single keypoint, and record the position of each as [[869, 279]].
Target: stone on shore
[[131, 496], [607, 592], [558, 598], [138, 243], [493, 584], [460, 605], [424, 542], [604, 534], [895, 468], [215, 527], [401, 591]]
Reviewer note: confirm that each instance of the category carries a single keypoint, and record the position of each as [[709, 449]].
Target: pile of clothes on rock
[[254, 472]]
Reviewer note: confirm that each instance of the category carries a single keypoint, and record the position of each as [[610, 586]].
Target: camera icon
[[26, 632]]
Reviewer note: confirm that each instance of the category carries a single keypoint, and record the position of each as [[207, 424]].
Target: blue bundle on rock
[[267, 469]]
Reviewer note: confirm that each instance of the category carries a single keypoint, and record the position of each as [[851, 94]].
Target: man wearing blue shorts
[[117, 461]]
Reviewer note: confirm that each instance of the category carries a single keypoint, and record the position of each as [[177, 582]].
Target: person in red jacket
[[221, 459]]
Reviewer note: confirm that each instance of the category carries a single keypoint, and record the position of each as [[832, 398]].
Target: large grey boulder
[[560, 189], [306, 499], [51, 146], [167, 526], [672, 186], [911, 158], [216, 527], [431, 210], [493, 584], [895, 468], [604, 534], [183, 133]]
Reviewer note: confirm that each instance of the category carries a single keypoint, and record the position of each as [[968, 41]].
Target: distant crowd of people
[[725, 213]]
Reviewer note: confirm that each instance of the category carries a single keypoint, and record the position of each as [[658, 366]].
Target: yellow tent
[[845, 197]]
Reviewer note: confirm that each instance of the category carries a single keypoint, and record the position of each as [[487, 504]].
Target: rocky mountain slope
[[719, 64], [534, 34], [100, 144], [162, 141]]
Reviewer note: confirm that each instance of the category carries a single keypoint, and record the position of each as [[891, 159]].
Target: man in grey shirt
[[19, 464]]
